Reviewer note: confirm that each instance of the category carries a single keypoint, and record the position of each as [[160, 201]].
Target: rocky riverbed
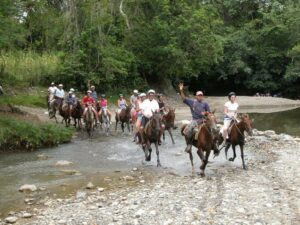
[[267, 193]]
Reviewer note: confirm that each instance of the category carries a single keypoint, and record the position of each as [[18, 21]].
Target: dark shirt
[[94, 96], [161, 104], [197, 107]]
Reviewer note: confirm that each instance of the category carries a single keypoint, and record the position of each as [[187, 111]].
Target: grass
[[24, 100], [16, 134]]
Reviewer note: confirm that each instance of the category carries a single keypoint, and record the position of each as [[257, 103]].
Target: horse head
[[211, 121], [156, 121], [247, 124]]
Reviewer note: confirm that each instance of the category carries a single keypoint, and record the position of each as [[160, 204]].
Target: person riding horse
[[230, 114], [70, 102], [161, 103], [103, 103], [133, 98], [148, 107], [94, 94], [141, 99], [122, 104], [89, 101], [51, 91], [198, 108], [58, 96]]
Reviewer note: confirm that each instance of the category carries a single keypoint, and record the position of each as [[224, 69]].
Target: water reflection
[[281, 122]]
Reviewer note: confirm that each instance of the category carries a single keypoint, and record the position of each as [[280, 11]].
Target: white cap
[[60, 85], [52, 83], [142, 95], [89, 91], [72, 89], [151, 91], [135, 91], [70, 92]]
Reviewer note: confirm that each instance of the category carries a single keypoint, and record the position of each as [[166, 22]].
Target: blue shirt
[[71, 100], [94, 96], [197, 107]]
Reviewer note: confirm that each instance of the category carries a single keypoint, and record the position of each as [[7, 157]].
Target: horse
[[65, 114], [168, 121], [205, 140], [89, 120], [151, 135], [133, 119], [76, 114], [236, 136], [55, 105], [124, 117], [104, 120]]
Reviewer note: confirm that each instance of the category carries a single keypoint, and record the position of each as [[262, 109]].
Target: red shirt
[[103, 103], [88, 99]]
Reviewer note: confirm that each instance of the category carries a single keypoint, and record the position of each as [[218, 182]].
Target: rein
[[235, 123]]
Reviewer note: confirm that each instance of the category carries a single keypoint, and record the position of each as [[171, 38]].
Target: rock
[[168, 222], [29, 201], [100, 189], [63, 163], [241, 210], [28, 188], [135, 169], [80, 195], [128, 178], [142, 181], [11, 219], [62, 222], [269, 132], [90, 185], [42, 188], [70, 172], [27, 215], [42, 157], [139, 213]]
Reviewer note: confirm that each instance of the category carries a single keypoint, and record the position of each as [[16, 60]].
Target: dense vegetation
[[216, 45], [25, 135]]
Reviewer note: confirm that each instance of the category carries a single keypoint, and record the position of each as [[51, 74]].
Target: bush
[[22, 135]]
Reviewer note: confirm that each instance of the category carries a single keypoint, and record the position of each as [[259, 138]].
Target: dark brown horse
[[168, 121], [124, 117], [236, 136], [151, 135], [206, 140], [77, 114], [64, 112]]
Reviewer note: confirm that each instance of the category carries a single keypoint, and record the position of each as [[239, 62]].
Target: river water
[[95, 159], [102, 157]]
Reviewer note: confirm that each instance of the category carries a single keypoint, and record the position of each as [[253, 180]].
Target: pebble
[[100, 189], [11, 219], [90, 185], [63, 163], [27, 215]]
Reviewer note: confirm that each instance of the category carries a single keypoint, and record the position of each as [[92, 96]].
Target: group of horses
[[206, 138]]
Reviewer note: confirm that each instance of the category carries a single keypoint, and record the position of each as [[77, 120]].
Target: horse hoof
[[231, 159], [202, 174], [158, 165], [245, 167]]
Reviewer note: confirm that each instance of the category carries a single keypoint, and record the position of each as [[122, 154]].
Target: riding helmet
[[231, 94], [103, 95]]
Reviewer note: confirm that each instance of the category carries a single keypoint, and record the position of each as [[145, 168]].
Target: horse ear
[[213, 112]]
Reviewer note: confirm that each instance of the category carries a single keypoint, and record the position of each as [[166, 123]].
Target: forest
[[246, 46]]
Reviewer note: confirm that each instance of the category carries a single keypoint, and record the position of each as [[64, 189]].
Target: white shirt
[[59, 93], [148, 107], [52, 90], [231, 108]]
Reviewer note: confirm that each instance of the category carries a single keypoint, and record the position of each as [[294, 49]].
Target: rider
[[122, 104], [58, 95], [139, 102], [133, 98], [198, 108], [86, 101], [70, 101], [103, 105], [161, 103], [148, 107], [230, 113], [51, 91], [94, 94]]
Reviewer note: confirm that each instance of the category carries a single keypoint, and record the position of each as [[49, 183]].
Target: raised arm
[[182, 95]]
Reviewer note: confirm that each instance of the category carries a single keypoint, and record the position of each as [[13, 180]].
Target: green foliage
[[24, 100], [22, 135]]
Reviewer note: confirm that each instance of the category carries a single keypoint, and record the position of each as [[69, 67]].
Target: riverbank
[[267, 193]]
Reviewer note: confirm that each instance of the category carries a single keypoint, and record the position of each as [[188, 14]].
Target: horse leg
[[205, 161], [171, 135], [157, 154], [164, 136], [191, 159], [202, 157], [242, 156], [226, 150], [234, 154], [128, 126], [116, 125]]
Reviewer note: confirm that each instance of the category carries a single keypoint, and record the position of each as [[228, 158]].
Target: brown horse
[[89, 120], [64, 113], [151, 135], [76, 114], [124, 117], [236, 136], [206, 140], [168, 121]]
